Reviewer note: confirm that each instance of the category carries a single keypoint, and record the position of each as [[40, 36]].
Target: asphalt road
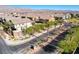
[[50, 46], [4, 49]]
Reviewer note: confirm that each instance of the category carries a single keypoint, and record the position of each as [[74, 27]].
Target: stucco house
[[19, 23], [40, 17], [67, 15], [18, 34], [63, 15], [22, 23], [48, 17]]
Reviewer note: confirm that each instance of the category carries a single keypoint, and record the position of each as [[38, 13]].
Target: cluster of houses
[[22, 21]]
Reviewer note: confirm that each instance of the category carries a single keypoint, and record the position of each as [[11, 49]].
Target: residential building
[[19, 22], [63, 15], [18, 34], [40, 17]]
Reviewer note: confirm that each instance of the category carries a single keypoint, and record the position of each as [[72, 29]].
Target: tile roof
[[41, 15], [16, 20]]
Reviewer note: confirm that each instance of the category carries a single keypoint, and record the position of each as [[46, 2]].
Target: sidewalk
[[19, 42]]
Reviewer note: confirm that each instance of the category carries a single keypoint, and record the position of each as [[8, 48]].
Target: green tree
[[69, 44], [30, 30]]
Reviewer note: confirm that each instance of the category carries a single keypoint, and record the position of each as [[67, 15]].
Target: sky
[[51, 7]]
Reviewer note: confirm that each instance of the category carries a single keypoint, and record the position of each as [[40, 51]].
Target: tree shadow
[[51, 47]]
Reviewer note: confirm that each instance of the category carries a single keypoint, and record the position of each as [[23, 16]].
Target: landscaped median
[[18, 42]]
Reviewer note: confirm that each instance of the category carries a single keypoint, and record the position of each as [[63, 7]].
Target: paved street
[[4, 49], [20, 48], [52, 43], [51, 47]]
